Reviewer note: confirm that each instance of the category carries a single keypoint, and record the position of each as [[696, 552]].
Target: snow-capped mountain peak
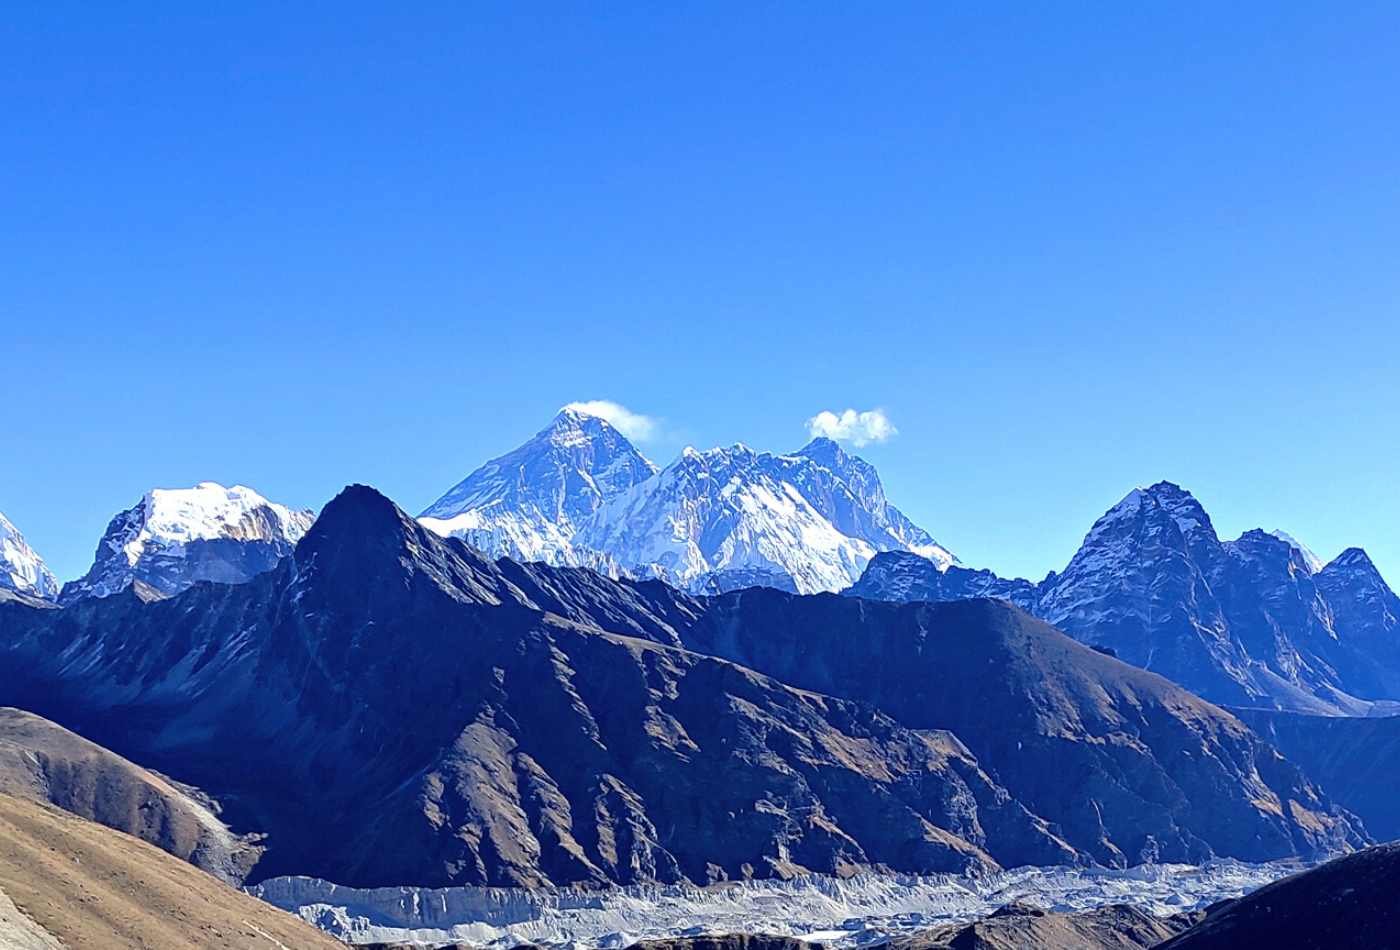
[[728, 517], [529, 503], [1313, 562], [579, 493], [733, 516], [863, 482], [175, 537], [21, 569]]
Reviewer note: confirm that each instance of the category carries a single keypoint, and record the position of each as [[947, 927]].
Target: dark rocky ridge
[[1346, 904], [393, 708], [1247, 623], [1024, 927]]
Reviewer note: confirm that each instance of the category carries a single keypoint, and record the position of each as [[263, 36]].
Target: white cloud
[[849, 425], [634, 425]]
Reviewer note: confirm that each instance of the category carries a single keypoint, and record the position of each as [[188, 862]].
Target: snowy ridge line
[[845, 911]]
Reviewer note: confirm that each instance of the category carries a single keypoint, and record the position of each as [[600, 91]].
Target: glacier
[[846, 912]]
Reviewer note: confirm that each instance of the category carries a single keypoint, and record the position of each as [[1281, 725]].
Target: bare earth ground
[[91, 888]]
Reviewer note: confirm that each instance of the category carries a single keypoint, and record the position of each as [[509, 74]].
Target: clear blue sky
[[1067, 249]]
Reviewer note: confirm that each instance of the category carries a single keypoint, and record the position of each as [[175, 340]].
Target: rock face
[[21, 569], [44, 762], [175, 538], [1128, 766], [1356, 759], [1346, 904], [394, 708], [1252, 622], [579, 493], [70, 883]]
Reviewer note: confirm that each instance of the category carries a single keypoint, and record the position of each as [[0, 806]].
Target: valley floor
[[851, 912]]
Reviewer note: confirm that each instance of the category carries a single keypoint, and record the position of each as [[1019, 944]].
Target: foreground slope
[[395, 709], [66, 882]]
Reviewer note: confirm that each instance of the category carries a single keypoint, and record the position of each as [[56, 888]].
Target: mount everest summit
[[580, 494]]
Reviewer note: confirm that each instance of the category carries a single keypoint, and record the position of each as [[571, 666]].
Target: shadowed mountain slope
[[1129, 766], [394, 708]]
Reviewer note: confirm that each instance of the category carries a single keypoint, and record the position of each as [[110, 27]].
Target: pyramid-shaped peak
[[1353, 560]]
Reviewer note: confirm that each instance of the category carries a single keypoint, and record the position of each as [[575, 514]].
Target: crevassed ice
[[848, 912]]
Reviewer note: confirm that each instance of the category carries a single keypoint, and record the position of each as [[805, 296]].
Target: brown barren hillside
[[91, 888]]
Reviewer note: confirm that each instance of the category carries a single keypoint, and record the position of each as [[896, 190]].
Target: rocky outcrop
[[1028, 927]]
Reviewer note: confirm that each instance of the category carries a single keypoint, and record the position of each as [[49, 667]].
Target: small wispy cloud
[[853, 426], [634, 425]]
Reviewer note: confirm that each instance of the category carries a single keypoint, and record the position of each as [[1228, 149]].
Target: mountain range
[[391, 707], [579, 493], [1253, 622]]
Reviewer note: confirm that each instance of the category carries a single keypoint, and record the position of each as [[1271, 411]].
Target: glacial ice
[[848, 912]]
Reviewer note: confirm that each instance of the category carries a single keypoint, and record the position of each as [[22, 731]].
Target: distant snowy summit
[[21, 569], [174, 538], [529, 504], [579, 493]]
